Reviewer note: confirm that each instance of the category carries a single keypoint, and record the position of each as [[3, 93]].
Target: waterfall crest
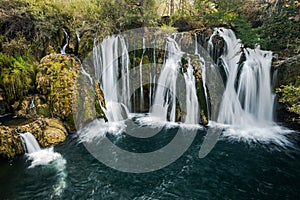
[[29, 142]]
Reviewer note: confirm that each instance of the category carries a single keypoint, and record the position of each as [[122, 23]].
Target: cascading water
[[247, 103], [63, 50], [106, 62], [248, 98], [166, 85], [141, 77], [29, 142], [111, 57], [192, 107], [46, 156]]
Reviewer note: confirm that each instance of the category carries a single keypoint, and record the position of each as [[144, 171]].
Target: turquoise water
[[232, 170]]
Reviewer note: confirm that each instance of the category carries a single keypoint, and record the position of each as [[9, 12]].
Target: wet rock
[[47, 131], [200, 90]]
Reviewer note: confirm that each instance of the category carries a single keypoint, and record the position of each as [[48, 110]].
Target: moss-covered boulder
[[56, 82]]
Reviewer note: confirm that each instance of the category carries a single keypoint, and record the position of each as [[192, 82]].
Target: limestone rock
[[56, 82], [10, 143], [47, 132]]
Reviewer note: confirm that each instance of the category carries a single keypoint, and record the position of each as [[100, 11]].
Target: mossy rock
[[10, 143], [47, 132], [86, 44], [56, 81]]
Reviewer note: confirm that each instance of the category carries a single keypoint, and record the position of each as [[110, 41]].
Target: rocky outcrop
[[63, 94], [288, 71], [288, 86], [10, 143], [55, 80], [47, 132]]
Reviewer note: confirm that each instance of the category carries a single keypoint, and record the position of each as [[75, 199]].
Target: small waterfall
[[32, 105], [153, 73], [63, 50], [29, 142], [165, 95], [47, 156], [141, 77], [248, 98], [192, 107], [78, 36]]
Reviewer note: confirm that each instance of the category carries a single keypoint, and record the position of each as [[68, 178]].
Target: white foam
[[43, 157], [99, 128], [255, 134], [155, 122], [49, 157], [266, 135]]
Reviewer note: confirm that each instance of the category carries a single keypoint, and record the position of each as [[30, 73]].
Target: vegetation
[[32, 33], [291, 95], [33, 29]]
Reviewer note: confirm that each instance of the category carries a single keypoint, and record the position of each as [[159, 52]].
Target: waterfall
[[141, 76], [29, 142], [78, 36], [63, 50], [192, 107], [112, 69], [32, 105], [248, 98], [46, 156], [106, 63], [166, 85]]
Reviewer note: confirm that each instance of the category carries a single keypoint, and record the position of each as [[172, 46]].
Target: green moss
[[17, 77], [56, 80]]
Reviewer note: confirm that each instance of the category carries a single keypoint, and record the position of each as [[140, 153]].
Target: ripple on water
[[48, 158]]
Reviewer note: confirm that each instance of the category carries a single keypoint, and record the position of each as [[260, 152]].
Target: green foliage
[[128, 14], [248, 35], [16, 77], [281, 29], [290, 95], [56, 79]]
